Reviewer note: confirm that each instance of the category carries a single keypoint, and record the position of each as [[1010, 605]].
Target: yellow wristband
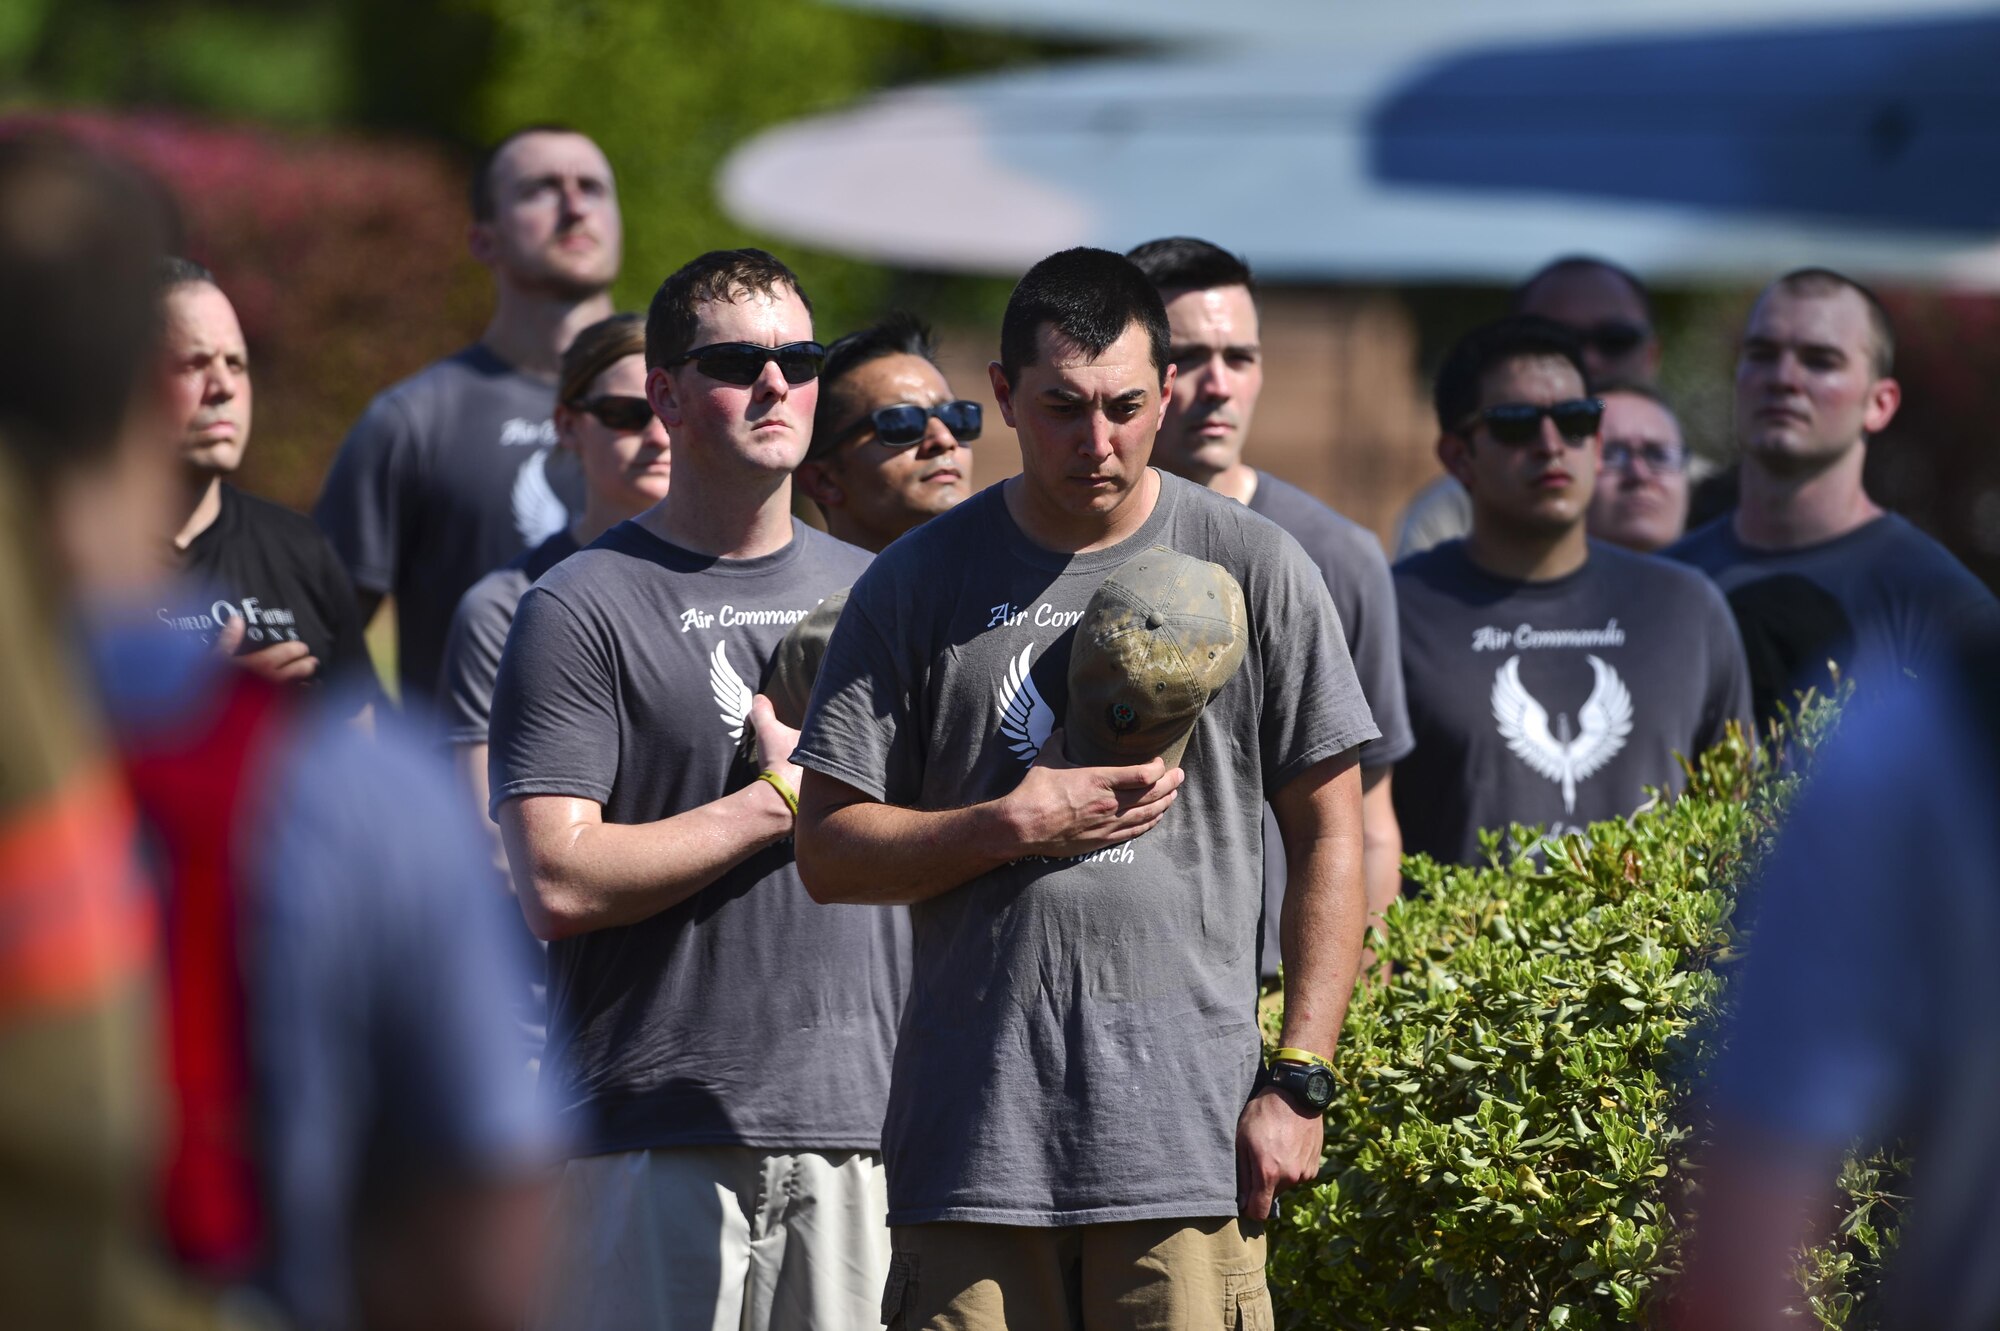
[[1302, 1056], [785, 792]]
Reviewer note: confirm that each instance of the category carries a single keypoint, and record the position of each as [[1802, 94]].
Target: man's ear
[[1166, 397], [663, 396], [1884, 396], [480, 243], [1455, 453], [820, 483], [1003, 392]]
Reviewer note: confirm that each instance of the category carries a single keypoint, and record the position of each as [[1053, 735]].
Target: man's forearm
[[575, 873], [1324, 918], [865, 853]]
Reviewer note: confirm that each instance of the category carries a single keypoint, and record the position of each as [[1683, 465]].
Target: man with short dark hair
[[1552, 679], [1610, 312], [718, 1044], [259, 580], [1814, 569], [889, 438], [1218, 374], [1641, 500], [450, 474], [1078, 1131]]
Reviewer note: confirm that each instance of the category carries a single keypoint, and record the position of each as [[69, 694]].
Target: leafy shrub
[[1516, 1111]]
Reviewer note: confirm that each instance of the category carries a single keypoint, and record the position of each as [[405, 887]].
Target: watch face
[[1319, 1088]]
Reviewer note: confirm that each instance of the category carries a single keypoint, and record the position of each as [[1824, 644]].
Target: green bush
[[1510, 1145]]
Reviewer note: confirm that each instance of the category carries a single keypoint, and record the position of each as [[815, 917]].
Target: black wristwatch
[[1307, 1077]]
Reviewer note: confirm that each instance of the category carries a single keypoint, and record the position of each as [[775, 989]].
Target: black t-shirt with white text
[[1557, 703], [270, 567]]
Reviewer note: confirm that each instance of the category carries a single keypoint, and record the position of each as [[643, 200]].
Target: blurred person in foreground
[[259, 581], [1218, 375], [889, 448], [719, 1044], [84, 486], [1869, 1011], [1552, 678], [1080, 1132], [1610, 312], [1815, 570], [451, 473], [1641, 501]]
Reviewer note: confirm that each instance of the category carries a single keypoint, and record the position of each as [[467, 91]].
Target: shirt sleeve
[[471, 666], [1376, 642], [361, 508], [554, 728], [1728, 675], [1313, 707], [860, 726]]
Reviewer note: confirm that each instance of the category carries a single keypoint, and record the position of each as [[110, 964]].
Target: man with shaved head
[[453, 472], [1816, 571]]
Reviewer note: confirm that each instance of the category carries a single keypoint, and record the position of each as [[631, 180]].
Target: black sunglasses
[[626, 414], [1612, 338], [903, 425], [1517, 423], [741, 363]]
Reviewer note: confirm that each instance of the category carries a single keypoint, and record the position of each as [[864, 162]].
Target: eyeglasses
[[1612, 338], [741, 363], [1518, 423], [625, 414], [1661, 459], [903, 425]]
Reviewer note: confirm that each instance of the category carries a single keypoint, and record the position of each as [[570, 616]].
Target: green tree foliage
[[1512, 1141]]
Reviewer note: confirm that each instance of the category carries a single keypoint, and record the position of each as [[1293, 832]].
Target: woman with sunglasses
[[889, 439], [602, 418]]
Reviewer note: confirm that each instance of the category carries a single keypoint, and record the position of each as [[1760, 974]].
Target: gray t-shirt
[[1555, 703], [745, 1015], [1885, 597], [479, 634], [446, 476], [1081, 1035], [1350, 559]]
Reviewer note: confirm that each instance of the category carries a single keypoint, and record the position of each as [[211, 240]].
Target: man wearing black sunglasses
[[1552, 678], [1610, 312], [889, 438], [719, 1044], [1218, 377]]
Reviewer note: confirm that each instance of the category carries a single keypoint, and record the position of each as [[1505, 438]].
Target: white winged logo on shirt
[[1603, 722], [1025, 720], [538, 511], [732, 695]]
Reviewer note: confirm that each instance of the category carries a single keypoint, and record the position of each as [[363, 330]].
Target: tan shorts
[[1135, 1275]]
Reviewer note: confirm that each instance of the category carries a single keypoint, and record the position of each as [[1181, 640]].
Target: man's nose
[[771, 381], [937, 438]]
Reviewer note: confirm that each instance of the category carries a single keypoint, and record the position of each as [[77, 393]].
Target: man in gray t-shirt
[[452, 472], [1552, 679], [1218, 376], [718, 1045], [1076, 1087]]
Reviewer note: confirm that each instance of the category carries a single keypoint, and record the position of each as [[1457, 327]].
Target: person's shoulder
[[1649, 575], [1708, 546], [1313, 522], [1442, 562], [267, 517], [840, 561], [495, 594], [949, 539], [1200, 513], [1920, 558]]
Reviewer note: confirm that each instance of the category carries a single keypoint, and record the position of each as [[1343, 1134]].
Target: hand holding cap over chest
[[1159, 639]]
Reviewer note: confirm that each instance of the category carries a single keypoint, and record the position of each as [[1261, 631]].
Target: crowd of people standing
[[932, 1003]]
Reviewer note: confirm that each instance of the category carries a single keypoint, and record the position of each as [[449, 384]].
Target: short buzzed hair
[[895, 334], [1637, 388], [1516, 337], [1089, 297], [484, 205], [1517, 300], [175, 271], [1184, 263], [1826, 282], [719, 275]]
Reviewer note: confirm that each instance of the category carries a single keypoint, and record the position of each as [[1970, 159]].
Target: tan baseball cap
[[1159, 639], [795, 666]]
